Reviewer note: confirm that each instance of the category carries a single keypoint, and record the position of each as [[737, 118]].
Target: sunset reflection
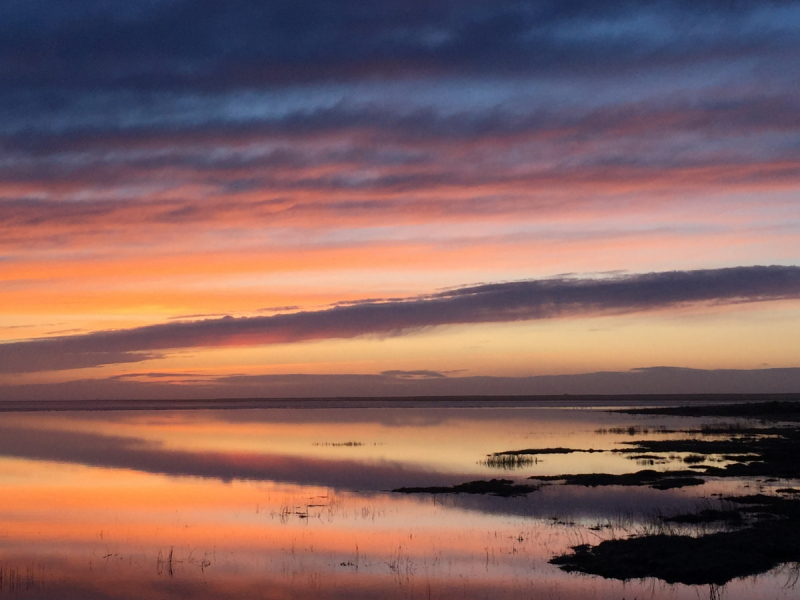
[[295, 503]]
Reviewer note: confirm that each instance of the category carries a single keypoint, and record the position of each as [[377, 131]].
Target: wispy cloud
[[151, 150], [489, 303], [185, 44], [418, 374]]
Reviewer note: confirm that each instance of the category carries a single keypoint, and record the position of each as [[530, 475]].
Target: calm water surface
[[294, 503]]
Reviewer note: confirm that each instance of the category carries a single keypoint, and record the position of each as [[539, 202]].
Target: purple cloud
[[488, 303]]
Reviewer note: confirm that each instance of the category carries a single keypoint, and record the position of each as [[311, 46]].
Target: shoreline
[[610, 401]]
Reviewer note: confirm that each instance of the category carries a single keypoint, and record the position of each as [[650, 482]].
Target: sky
[[311, 198]]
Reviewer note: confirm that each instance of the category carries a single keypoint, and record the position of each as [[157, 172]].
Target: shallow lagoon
[[295, 503]]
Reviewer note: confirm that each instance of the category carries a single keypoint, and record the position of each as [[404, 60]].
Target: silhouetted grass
[[660, 480], [772, 534], [708, 515], [15, 580], [543, 451], [510, 462], [496, 487], [339, 444], [715, 558]]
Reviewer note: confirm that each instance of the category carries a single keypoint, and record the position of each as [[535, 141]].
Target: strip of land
[[496, 487], [478, 401]]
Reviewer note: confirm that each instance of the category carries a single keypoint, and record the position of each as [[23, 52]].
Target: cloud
[[28, 357], [362, 163], [420, 374], [488, 303], [367, 389], [187, 44], [440, 111]]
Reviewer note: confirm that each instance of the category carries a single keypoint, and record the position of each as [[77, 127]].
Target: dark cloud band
[[489, 303], [192, 44]]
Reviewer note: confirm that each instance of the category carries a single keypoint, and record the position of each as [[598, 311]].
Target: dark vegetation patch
[[740, 457], [496, 487], [766, 452], [633, 430], [760, 532], [694, 459], [753, 452], [660, 480], [773, 506], [766, 411], [671, 483], [715, 558], [708, 515], [339, 444], [630, 430], [510, 462], [517, 459], [541, 451], [720, 428]]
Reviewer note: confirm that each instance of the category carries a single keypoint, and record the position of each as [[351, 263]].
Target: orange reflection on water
[[101, 505], [128, 523]]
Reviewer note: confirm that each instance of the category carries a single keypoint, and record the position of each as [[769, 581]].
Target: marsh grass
[[340, 444], [17, 579], [668, 550], [633, 430], [509, 462], [659, 480], [742, 536], [693, 459], [496, 487], [165, 562]]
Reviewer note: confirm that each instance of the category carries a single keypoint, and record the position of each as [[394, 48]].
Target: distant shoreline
[[548, 401]]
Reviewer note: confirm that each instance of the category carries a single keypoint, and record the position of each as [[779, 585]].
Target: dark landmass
[[511, 460], [751, 452], [659, 480], [760, 532], [716, 558], [540, 451], [774, 410], [399, 402], [496, 487]]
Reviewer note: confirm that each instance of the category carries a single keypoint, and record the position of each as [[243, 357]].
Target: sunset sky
[[332, 198]]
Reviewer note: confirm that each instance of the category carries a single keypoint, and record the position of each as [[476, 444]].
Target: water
[[294, 503]]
